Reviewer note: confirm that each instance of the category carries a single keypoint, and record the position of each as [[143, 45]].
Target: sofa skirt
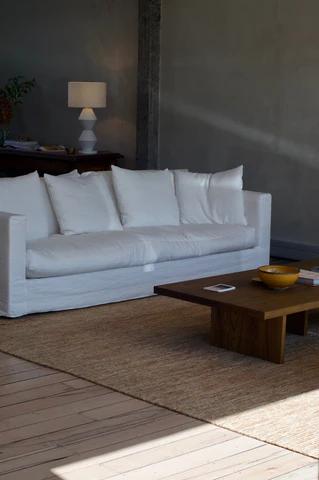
[[88, 289]]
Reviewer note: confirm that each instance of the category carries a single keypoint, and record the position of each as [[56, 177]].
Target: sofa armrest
[[12, 264], [258, 214]]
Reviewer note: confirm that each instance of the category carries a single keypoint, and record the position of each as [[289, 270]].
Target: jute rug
[[157, 349]]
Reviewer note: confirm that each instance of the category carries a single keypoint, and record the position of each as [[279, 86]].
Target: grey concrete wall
[[240, 84], [81, 40]]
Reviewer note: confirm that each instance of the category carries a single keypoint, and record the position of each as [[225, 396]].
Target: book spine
[[308, 281]]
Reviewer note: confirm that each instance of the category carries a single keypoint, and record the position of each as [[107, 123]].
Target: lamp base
[[88, 152], [87, 138]]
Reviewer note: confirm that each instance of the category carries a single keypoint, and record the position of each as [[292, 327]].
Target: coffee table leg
[[297, 323], [241, 333]]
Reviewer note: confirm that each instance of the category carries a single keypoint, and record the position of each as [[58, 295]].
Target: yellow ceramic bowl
[[278, 276]]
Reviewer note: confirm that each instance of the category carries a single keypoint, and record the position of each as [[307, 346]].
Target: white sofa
[[65, 272]]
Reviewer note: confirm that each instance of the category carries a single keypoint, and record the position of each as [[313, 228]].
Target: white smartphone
[[220, 288]]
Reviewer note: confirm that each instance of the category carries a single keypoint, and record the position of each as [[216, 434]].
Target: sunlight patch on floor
[[91, 467]]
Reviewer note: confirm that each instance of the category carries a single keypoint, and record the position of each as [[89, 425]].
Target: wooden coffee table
[[252, 320]]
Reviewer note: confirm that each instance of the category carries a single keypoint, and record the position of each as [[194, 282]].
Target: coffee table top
[[251, 297]]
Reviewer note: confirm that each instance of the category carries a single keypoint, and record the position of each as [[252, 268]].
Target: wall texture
[[81, 40], [240, 84]]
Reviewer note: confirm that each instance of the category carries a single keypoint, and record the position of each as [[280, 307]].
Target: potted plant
[[12, 95]]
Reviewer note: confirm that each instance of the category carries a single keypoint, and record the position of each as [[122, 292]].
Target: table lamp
[[87, 95]]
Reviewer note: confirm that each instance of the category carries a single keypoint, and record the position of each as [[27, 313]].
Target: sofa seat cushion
[[61, 255], [185, 241]]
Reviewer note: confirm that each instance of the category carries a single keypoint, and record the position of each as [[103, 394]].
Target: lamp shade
[[87, 94]]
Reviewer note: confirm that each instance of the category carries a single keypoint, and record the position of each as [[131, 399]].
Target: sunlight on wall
[[269, 140]]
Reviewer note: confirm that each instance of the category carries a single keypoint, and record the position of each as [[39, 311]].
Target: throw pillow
[[105, 182], [227, 206], [145, 198], [52, 223], [79, 204], [192, 196], [208, 198], [228, 179]]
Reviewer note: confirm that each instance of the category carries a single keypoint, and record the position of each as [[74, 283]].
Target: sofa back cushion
[[232, 178], [208, 198], [145, 198], [81, 204], [26, 195], [192, 196], [104, 178], [53, 226]]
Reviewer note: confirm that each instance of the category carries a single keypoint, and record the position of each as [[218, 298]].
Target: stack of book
[[309, 277], [29, 145], [21, 144]]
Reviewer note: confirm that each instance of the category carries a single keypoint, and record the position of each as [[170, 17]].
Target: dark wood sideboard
[[18, 162]]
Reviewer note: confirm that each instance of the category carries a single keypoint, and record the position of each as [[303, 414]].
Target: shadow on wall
[[202, 140]]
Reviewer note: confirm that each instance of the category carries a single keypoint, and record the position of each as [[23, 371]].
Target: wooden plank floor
[[56, 427]]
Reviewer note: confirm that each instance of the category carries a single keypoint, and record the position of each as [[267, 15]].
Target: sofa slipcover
[[20, 295]]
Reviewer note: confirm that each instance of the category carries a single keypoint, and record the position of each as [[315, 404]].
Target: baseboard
[[293, 250]]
